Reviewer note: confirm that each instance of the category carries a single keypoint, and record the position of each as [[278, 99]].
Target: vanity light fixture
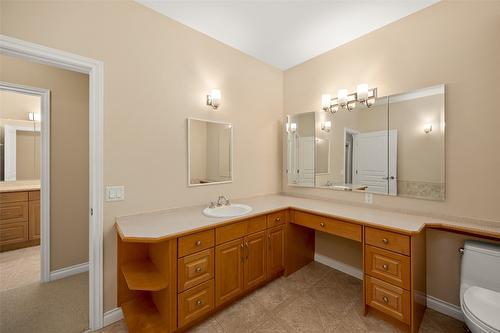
[[213, 99], [293, 127], [347, 101], [34, 116], [289, 126], [326, 126], [427, 128]]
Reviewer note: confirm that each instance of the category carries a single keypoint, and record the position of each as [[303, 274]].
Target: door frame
[[95, 70], [44, 95]]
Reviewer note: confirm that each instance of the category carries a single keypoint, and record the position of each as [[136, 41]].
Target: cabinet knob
[[198, 269], [199, 302], [278, 219], [385, 299], [322, 224], [385, 267], [198, 243], [385, 241]]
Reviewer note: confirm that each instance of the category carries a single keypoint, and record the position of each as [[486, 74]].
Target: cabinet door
[[275, 250], [255, 259], [34, 219], [228, 271]]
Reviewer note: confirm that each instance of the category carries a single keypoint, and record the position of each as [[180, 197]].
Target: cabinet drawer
[[195, 269], [329, 225], [13, 232], [13, 212], [276, 219], [389, 299], [240, 229], [195, 303], [388, 240], [388, 266], [196, 242], [13, 197]]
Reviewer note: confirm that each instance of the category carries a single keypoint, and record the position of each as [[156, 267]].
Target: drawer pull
[[385, 299], [199, 302], [322, 224], [385, 267], [385, 241], [198, 243], [198, 269], [277, 219]]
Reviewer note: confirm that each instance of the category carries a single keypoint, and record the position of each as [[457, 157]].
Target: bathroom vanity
[[19, 216], [177, 267]]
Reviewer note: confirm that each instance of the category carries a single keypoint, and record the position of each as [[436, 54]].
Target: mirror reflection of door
[[300, 141]]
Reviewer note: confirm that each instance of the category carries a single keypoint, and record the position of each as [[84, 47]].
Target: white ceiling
[[286, 33]]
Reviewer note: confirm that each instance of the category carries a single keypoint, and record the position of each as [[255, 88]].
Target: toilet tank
[[480, 266]]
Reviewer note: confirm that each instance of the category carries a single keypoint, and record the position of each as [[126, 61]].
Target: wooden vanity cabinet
[[275, 250], [229, 270], [19, 219]]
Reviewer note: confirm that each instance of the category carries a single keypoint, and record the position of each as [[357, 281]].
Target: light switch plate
[[115, 193], [368, 198]]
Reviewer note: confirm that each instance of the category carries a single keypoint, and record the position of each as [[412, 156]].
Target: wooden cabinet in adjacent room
[[19, 219]]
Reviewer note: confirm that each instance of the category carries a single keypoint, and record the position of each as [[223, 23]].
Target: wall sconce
[[213, 99], [293, 127], [289, 126], [326, 126], [34, 116], [347, 101], [427, 128]]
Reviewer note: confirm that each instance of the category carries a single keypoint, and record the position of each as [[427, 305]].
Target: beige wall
[[443, 43], [156, 74], [69, 155]]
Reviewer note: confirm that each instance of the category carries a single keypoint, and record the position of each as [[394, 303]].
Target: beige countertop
[[20, 185], [171, 223]]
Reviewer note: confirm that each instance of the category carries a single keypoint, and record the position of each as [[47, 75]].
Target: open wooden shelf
[[143, 275], [142, 316]]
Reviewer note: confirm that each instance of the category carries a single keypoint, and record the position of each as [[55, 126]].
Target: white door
[[370, 161], [306, 161], [393, 162]]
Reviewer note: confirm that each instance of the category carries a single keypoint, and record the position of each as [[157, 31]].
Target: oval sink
[[227, 211]]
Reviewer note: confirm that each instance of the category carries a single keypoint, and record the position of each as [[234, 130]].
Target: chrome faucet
[[223, 200]]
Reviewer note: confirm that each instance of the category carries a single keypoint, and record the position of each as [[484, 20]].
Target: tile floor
[[19, 267], [314, 299]]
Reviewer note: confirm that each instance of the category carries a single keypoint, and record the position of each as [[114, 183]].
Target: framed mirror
[[210, 152]]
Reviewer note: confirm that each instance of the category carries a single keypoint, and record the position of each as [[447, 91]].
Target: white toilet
[[480, 287]]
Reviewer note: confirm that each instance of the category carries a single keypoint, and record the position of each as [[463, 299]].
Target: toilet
[[480, 287]]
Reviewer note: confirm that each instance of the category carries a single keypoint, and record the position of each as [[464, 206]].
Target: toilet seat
[[482, 307]]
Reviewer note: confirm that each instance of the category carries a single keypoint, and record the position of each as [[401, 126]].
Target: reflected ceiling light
[[293, 127], [213, 99], [427, 128], [326, 126], [344, 100]]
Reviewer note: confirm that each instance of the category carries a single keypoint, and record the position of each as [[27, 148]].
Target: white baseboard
[[112, 316], [68, 271], [445, 308], [340, 266]]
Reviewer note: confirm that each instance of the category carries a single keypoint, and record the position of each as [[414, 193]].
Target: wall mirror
[[210, 156], [19, 136], [300, 149], [395, 148]]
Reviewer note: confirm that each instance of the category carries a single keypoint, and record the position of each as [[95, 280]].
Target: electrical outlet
[[368, 198], [115, 193]]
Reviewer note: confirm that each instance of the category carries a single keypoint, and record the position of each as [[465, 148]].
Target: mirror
[[209, 152], [416, 143], [300, 147], [396, 147], [19, 136]]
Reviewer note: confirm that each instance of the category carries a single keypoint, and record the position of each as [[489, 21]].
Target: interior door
[[228, 271], [370, 161], [255, 259], [306, 161], [393, 162], [275, 250]]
